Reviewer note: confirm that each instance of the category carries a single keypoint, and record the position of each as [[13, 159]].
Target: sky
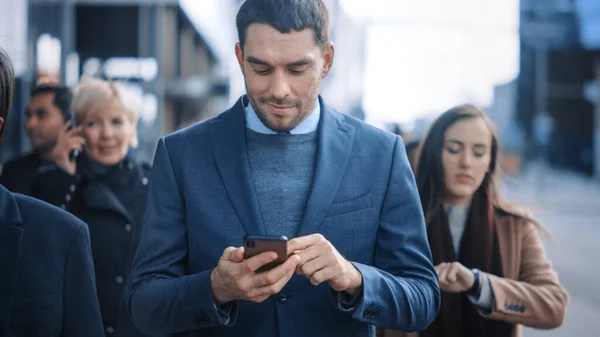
[[429, 55]]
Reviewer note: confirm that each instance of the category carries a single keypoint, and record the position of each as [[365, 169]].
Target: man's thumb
[[237, 254]]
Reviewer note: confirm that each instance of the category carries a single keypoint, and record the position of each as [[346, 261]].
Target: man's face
[[283, 73], [44, 121]]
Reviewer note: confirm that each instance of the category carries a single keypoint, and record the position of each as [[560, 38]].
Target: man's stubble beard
[[298, 119], [45, 149]]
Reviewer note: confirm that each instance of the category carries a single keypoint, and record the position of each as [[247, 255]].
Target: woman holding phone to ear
[[492, 267], [104, 186]]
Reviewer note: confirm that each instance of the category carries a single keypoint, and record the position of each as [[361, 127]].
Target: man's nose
[[30, 123], [280, 87]]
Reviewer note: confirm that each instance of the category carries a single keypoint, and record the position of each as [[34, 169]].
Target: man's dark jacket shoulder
[[47, 285]]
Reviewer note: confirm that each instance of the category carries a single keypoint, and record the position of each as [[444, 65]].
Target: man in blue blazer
[[281, 162], [47, 284]]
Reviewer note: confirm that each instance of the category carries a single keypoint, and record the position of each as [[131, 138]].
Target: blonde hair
[[93, 91]]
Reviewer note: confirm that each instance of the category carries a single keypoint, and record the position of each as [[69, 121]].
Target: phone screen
[[69, 118]]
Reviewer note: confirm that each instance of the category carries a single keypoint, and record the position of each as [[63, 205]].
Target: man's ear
[[239, 54], [328, 56]]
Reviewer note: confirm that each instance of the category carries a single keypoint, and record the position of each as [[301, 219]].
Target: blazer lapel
[[11, 235], [228, 139], [334, 148]]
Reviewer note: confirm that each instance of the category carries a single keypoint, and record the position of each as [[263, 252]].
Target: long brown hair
[[430, 172]]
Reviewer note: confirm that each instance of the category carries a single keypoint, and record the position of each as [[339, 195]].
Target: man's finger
[[76, 131], [313, 266], [275, 287], [439, 268], [257, 261], [66, 126], [274, 275], [321, 276], [307, 255], [75, 144], [234, 254], [238, 255], [229, 254], [304, 242]]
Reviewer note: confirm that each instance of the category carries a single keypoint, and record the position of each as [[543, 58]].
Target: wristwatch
[[476, 288]]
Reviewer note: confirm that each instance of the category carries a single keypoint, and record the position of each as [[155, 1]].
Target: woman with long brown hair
[[491, 264]]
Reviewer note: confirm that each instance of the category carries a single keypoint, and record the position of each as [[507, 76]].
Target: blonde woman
[[104, 187]]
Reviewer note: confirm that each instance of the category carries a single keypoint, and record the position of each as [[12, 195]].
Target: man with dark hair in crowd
[[47, 112], [47, 283], [281, 162]]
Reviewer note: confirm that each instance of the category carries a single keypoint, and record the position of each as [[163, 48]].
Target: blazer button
[[110, 330], [281, 298], [119, 279], [144, 181], [128, 228]]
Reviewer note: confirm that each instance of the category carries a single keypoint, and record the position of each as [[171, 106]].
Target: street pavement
[[568, 205]]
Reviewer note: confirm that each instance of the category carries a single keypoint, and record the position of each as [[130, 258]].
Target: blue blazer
[[47, 284], [202, 199]]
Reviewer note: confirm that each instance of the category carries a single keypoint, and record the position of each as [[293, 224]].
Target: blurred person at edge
[[105, 187], [47, 283], [492, 267], [46, 114]]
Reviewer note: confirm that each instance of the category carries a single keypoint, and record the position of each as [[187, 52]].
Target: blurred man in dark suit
[[47, 285]]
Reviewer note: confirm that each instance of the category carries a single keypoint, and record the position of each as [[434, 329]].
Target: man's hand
[[236, 278], [454, 277], [321, 262], [67, 141]]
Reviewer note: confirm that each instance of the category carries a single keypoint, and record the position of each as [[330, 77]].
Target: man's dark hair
[[62, 96], [7, 83], [285, 16]]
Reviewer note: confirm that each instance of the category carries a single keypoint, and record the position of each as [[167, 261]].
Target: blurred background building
[[162, 49], [558, 81], [533, 65]]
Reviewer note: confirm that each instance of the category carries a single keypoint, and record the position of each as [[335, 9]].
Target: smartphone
[[69, 118], [256, 244]]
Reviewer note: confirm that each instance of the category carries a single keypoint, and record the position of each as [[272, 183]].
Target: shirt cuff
[[346, 302], [486, 296], [225, 311]]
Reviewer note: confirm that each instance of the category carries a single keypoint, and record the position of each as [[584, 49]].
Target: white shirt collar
[[310, 124]]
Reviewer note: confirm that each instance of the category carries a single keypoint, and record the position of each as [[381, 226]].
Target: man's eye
[[297, 71], [262, 71]]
